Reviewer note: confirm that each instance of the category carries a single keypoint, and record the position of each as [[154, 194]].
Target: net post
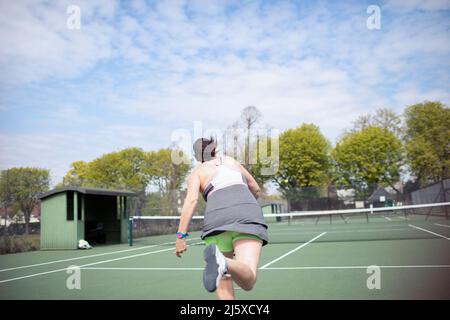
[[130, 231], [444, 194], [371, 212]]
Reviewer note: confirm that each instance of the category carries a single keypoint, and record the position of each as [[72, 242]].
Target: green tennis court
[[310, 258]]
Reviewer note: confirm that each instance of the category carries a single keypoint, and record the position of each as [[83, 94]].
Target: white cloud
[[37, 45], [427, 5], [68, 113], [412, 95], [172, 10], [58, 150], [139, 6], [303, 92]]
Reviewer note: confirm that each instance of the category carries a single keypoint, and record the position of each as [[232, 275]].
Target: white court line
[[388, 219], [436, 234], [90, 256], [317, 228], [273, 268], [442, 225], [292, 251], [341, 231], [92, 264], [359, 267], [144, 269]]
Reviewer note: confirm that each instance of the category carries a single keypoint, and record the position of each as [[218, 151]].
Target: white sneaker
[[216, 267]]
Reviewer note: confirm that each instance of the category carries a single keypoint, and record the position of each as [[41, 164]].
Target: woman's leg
[[225, 290], [243, 268]]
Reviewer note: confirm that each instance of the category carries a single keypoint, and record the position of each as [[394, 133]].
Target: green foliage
[[22, 243], [158, 203], [155, 204], [427, 139], [22, 187], [125, 169], [133, 169], [77, 176], [304, 159], [5, 192], [265, 161], [164, 172], [368, 157], [167, 176]]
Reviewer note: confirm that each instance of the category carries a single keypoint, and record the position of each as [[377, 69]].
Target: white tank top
[[226, 177]]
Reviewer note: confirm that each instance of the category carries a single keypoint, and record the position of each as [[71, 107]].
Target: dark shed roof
[[381, 192], [105, 192]]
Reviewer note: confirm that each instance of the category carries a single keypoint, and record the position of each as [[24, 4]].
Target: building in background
[[72, 214]]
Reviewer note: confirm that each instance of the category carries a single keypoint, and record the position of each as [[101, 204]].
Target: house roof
[[381, 192], [96, 191]]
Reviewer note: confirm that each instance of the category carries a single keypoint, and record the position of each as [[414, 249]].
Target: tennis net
[[423, 221]]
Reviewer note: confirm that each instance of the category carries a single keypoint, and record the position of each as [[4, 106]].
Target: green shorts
[[224, 241]]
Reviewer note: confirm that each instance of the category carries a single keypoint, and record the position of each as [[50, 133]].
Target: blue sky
[[138, 70]]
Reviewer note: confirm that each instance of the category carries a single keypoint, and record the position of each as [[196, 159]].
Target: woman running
[[234, 229]]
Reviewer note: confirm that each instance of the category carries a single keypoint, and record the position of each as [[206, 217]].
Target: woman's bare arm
[[190, 202], [189, 205]]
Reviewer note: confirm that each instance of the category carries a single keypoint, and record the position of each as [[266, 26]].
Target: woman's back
[[231, 206], [220, 172]]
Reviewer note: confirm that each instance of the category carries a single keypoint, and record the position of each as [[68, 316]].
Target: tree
[[131, 169], [78, 175], [123, 169], [5, 195], [250, 116], [361, 123], [267, 157], [304, 160], [167, 177], [242, 141], [427, 140], [367, 158], [232, 145], [24, 185], [383, 118]]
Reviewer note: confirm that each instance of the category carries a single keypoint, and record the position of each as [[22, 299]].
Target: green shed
[[74, 213]]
